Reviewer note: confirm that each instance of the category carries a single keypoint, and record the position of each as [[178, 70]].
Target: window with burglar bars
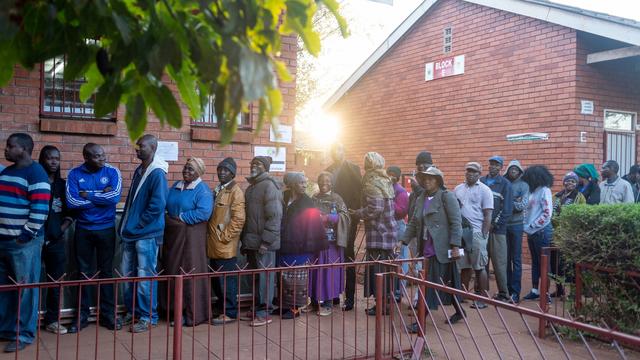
[[447, 40], [209, 117], [61, 98]]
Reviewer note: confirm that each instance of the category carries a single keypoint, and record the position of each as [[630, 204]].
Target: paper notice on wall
[[167, 150], [284, 134], [278, 157]]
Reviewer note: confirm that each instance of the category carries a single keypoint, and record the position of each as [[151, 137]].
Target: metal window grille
[[447, 40], [61, 98], [209, 117]]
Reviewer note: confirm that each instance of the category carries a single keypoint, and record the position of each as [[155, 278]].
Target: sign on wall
[[167, 150], [449, 66], [278, 157], [586, 107], [284, 134]]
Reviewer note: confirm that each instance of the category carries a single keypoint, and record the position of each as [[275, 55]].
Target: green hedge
[[606, 236]]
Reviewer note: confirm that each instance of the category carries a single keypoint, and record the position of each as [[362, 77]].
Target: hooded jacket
[[143, 216], [520, 191], [263, 210], [226, 222]]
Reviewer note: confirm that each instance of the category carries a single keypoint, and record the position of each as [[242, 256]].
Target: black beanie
[[424, 157], [395, 171], [229, 164], [265, 160]]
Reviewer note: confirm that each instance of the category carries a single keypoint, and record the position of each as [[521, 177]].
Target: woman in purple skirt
[[327, 284]]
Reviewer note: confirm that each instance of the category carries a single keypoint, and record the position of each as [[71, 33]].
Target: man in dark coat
[[347, 182]]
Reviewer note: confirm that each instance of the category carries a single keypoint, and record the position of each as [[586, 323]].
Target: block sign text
[[453, 65]]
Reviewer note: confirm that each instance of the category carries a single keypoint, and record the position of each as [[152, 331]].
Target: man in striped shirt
[[24, 206], [93, 190]]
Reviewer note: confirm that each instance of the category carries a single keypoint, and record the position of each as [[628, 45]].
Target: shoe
[[248, 316], [348, 305], [531, 296], [501, 297], [372, 311], [310, 308], [413, 328], [73, 328], [127, 320], [514, 299], [455, 318], [548, 299], [141, 326], [112, 325], [14, 346], [56, 328], [478, 305], [261, 321], [325, 311], [290, 314], [222, 319]]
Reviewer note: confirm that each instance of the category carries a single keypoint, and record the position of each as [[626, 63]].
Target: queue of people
[[188, 227]]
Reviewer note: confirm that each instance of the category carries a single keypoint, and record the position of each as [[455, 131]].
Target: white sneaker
[[56, 328]]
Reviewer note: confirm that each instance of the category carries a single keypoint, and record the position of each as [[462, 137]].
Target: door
[[620, 138]]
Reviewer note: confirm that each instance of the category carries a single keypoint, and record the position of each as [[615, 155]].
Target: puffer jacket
[[226, 223], [263, 208]]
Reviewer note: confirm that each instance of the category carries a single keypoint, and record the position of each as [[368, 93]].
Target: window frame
[[634, 121], [246, 124]]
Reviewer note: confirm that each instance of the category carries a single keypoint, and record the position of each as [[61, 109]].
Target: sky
[[370, 23]]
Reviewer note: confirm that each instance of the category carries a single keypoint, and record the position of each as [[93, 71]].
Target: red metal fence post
[[177, 317], [578, 287], [422, 307], [544, 288], [379, 308]]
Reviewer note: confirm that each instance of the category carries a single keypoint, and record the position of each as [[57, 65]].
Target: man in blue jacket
[[502, 210], [141, 230], [93, 191]]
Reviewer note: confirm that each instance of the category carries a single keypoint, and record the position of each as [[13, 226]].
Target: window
[[447, 40], [620, 121], [209, 117], [60, 98]]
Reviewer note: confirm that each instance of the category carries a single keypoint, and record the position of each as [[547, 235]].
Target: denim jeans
[[20, 262], [227, 301], [514, 258], [140, 258], [537, 241], [100, 244], [54, 259], [266, 281]]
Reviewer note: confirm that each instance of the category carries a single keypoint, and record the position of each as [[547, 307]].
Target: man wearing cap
[[476, 205], [347, 182], [261, 234], [613, 189], [223, 235], [515, 229], [502, 210]]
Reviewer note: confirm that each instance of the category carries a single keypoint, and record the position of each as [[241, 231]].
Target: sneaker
[[127, 319], [56, 328], [222, 319], [261, 321], [310, 308], [514, 299], [290, 314], [478, 305], [14, 346], [348, 305], [531, 296], [501, 297], [112, 325], [141, 326], [248, 316], [325, 311], [455, 318], [74, 328]]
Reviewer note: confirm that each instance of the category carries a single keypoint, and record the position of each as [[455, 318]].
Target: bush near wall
[[606, 236]]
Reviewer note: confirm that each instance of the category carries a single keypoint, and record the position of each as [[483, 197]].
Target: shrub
[[606, 236]]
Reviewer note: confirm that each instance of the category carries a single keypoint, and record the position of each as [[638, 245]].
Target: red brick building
[[458, 76], [32, 103]]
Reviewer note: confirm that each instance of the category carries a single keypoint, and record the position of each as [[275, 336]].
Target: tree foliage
[[124, 49]]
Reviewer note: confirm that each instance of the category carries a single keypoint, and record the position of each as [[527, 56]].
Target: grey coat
[[442, 220], [263, 208]]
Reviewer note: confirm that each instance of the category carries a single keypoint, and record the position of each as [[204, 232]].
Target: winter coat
[[263, 209], [302, 228], [226, 222]]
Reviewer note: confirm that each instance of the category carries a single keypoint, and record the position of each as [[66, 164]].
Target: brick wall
[[19, 111]]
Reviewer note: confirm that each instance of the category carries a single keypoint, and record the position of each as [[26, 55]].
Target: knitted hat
[[293, 177], [570, 176], [265, 160], [424, 157], [395, 171], [229, 164], [586, 171]]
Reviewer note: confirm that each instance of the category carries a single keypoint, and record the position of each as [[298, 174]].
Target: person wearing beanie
[[189, 206], [613, 189], [347, 183], [261, 235], [588, 182], [223, 235], [515, 229], [502, 209], [401, 208], [633, 177]]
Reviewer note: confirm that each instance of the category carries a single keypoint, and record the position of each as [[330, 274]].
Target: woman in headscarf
[[588, 182], [326, 284], [437, 225], [380, 224], [302, 236], [189, 205]]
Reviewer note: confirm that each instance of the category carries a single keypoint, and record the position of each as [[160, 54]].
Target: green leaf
[[187, 86], [136, 116], [334, 7], [163, 104], [282, 71], [78, 62], [275, 102], [107, 99], [94, 80], [255, 73], [123, 27], [9, 58]]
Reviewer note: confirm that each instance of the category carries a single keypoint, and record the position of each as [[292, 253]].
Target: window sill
[[79, 126], [211, 134]]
